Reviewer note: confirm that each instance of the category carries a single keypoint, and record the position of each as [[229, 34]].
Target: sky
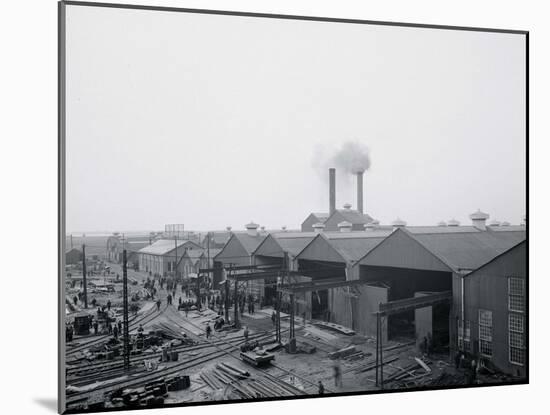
[[214, 121]]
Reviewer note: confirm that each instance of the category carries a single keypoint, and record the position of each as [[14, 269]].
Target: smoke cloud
[[352, 157]]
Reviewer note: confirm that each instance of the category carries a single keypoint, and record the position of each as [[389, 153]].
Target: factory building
[[117, 242], [272, 251], [238, 250], [331, 256], [73, 256], [190, 263], [415, 261], [493, 324], [161, 257]]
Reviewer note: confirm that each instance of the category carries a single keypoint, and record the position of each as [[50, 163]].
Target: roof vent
[[399, 223], [478, 219], [228, 229], [369, 227], [453, 222], [252, 228], [318, 227], [283, 228], [347, 206], [345, 226], [442, 223], [494, 223]]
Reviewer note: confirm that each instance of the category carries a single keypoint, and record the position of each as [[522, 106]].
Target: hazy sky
[[213, 120]]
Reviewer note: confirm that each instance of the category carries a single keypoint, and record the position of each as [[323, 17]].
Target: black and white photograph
[[261, 207]]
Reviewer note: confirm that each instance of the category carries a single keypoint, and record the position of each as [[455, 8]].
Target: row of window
[[516, 348]]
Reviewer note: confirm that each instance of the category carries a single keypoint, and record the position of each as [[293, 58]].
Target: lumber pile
[[243, 385], [346, 351]]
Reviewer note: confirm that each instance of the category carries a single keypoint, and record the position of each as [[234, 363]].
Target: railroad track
[[146, 318], [79, 398]]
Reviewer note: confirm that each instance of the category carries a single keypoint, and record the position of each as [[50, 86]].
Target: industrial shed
[[272, 251], [238, 250], [330, 256], [417, 261], [494, 311], [161, 256]]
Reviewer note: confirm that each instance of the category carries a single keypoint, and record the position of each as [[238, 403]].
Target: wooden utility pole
[[125, 312], [236, 304], [176, 252], [84, 283], [227, 295], [377, 344]]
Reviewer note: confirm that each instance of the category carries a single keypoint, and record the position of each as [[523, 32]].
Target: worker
[[246, 333], [457, 360], [75, 300], [115, 331], [109, 328], [119, 324], [158, 304], [109, 305], [273, 317], [96, 325], [473, 367], [208, 330], [94, 302], [337, 374], [169, 299], [321, 388]]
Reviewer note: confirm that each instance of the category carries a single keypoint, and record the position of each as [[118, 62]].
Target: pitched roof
[[249, 242], [354, 245], [522, 244], [292, 242], [164, 246], [354, 216], [351, 246], [467, 250]]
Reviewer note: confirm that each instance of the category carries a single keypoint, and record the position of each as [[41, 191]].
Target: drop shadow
[[48, 403]]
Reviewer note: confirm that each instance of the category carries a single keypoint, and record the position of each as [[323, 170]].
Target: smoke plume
[[351, 157]]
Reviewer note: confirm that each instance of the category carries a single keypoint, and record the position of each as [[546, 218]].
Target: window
[[515, 339], [516, 294], [464, 336], [486, 332]]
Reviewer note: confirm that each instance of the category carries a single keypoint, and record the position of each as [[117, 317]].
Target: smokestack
[[332, 190], [360, 191]]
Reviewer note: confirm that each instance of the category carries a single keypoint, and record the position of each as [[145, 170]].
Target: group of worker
[[470, 369]]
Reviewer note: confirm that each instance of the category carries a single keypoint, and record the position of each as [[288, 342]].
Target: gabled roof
[[291, 242], [521, 245], [459, 250], [248, 243], [164, 246], [350, 246], [468, 251], [353, 216]]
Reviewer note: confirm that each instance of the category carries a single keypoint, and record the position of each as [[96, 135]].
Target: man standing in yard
[[246, 333], [96, 325], [158, 304], [115, 331], [337, 374], [321, 388], [109, 305], [208, 331]]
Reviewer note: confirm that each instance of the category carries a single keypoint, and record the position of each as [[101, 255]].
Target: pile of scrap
[[411, 374], [346, 351], [151, 394]]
